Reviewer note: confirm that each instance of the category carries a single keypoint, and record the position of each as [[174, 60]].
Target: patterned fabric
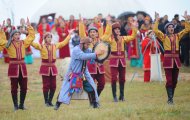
[[77, 58], [167, 40], [14, 66], [76, 83]]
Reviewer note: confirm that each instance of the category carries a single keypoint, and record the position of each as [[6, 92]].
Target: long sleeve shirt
[[119, 45], [95, 67], [167, 40], [17, 48], [45, 49]]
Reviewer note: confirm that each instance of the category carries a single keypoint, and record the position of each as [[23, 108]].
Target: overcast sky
[[30, 8]]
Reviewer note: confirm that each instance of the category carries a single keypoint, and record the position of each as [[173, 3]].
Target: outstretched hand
[[71, 31], [157, 16], [108, 19], [185, 15], [2, 26], [80, 17], [28, 22]]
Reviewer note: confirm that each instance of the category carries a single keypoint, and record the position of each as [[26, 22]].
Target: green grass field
[[144, 101]]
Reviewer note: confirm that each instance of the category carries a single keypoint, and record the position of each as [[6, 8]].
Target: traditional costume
[[171, 62], [48, 70], [118, 61], [17, 68], [65, 51], [8, 30], [28, 54], [72, 24], [2, 37], [134, 48], [145, 27], [43, 28], [148, 48], [96, 69], [97, 24], [28, 58], [76, 73]]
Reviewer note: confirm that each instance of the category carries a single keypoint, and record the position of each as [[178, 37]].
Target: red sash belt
[[48, 64], [15, 61], [117, 54], [113, 56], [171, 55]]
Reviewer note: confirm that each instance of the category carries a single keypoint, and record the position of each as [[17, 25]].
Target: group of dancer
[[83, 68]]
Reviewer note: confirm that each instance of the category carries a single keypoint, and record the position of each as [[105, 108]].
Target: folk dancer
[[17, 68], [48, 69], [171, 61], [117, 58]]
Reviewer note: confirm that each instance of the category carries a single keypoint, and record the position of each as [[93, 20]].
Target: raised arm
[[185, 31], [101, 30], [3, 40], [63, 43], [108, 31], [82, 30], [36, 46], [158, 33], [131, 37], [31, 35], [134, 26], [187, 26]]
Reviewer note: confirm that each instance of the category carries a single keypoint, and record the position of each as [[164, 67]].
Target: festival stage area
[[143, 100]]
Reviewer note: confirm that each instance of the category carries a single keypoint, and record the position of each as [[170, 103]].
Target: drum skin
[[102, 46]]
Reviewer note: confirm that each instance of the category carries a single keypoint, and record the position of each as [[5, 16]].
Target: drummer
[[96, 34], [78, 67], [117, 58]]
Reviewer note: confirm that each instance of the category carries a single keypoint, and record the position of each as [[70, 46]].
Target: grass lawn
[[144, 101]]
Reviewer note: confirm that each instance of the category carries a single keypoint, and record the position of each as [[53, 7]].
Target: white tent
[[87, 8], [6, 10], [90, 8], [16, 9]]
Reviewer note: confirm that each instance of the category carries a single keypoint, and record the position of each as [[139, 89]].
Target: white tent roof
[[90, 8], [87, 8], [6, 10], [17, 9]]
